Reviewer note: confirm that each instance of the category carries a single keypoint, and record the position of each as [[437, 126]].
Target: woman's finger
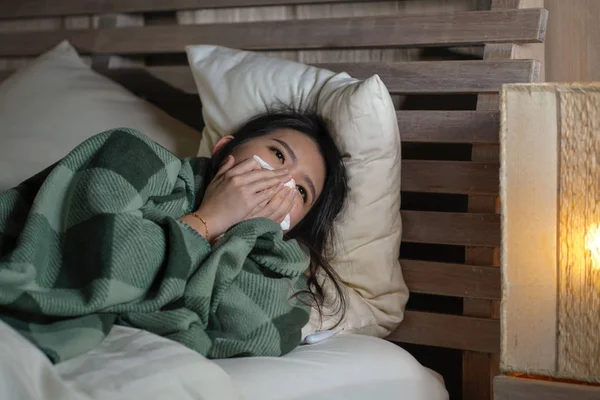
[[274, 202], [226, 166], [266, 195], [280, 206], [285, 207], [261, 182], [256, 212], [253, 176], [250, 164]]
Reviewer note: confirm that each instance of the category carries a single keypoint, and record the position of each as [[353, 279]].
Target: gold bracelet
[[203, 222]]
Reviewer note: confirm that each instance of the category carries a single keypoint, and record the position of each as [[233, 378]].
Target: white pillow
[[55, 103], [234, 85]]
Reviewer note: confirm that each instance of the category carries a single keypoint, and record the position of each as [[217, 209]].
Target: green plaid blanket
[[95, 240]]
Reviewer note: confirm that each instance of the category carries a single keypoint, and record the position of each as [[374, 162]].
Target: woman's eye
[[302, 192], [279, 155]]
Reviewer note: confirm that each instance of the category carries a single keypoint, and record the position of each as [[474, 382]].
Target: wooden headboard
[[443, 61]]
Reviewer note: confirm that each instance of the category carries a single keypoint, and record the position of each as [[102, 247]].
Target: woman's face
[[288, 148]]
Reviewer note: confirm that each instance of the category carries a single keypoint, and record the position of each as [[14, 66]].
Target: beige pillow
[[235, 85], [56, 102]]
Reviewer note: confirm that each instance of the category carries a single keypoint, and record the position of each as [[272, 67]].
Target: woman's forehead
[[299, 141], [293, 136]]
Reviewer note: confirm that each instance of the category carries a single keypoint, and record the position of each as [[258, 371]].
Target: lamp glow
[[592, 243]]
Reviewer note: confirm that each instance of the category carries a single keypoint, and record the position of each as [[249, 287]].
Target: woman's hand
[[236, 192], [278, 206]]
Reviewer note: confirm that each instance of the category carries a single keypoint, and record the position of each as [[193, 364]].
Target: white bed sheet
[[344, 367], [137, 365], [130, 364]]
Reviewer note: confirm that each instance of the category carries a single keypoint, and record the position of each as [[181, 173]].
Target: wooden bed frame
[[448, 117]]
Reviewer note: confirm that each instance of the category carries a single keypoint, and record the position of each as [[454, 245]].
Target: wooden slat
[[459, 280], [442, 76], [457, 177], [449, 126], [447, 29], [405, 77], [415, 126], [118, 21], [42, 8], [431, 77], [510, 388], [451, 228], [451, 331], [477, 366]]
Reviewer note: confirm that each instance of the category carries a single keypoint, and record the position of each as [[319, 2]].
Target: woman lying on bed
[[120, 231]]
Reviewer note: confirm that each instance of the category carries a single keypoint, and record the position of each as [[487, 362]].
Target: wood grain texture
[[331, 10], [509, 388], [447, 279], [479, 369], [419, 126], [80, 22], [235, 15], [245, 14], [117, 21], [457, 177], [451, 331], [499, 4], [442, 76], [579, 216], [404, 7], [363, 8], [534, 51], [529, 187], [451, 228], [432, 77], [39, 8], [449, 126], [461, 28], [415, 126], [572, 49], [29, 25]]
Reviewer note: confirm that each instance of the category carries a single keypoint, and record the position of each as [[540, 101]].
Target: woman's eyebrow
[[288, 149]]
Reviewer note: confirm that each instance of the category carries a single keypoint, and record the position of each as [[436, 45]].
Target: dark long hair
[[316, 229]]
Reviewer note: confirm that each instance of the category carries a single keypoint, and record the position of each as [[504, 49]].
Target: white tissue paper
[[285, 225]]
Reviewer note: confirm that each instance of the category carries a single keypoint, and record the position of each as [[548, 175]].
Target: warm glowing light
[[592, 243]]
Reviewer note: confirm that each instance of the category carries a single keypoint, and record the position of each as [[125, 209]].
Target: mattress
[[137, 365]]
